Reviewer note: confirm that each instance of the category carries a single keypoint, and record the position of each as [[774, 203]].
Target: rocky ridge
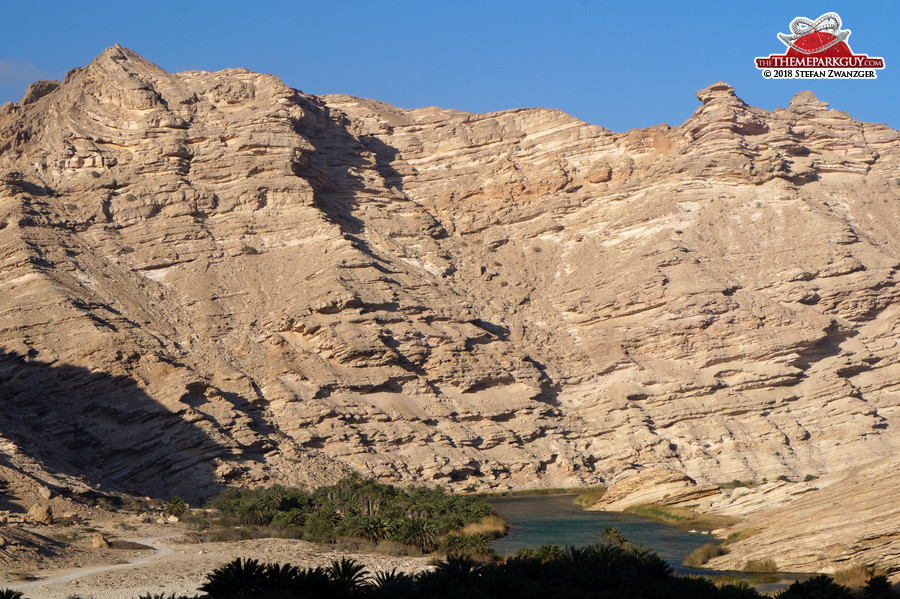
[[213, 278]]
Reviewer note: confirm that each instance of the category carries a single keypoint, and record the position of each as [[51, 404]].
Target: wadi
[[213, 280]]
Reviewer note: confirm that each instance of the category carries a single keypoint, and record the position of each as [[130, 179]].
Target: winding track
[[159, 552]]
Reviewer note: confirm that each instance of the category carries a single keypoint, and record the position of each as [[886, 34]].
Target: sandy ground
[[169, 564]]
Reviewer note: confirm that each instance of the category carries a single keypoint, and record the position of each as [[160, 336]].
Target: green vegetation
[[760, 565], [353, 508], [590, 496], [176, 506], [477, 545], [857, 576], [739, 535], [701, 555], [806, 479], [734, 484], [587, 492], [612, 568], [527, 492], [490, 526], [679, 516]]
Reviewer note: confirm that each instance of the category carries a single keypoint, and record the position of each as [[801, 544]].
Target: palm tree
[[817, 587], [375, 529], [526, 553], [457, 576], [547, 552], [612, 536], [648, 563], [348, 576], [314, 582], [282, 578], [461, 568], [391, 585], [878, 587], [176, 506], [235, 580], [419, 533]]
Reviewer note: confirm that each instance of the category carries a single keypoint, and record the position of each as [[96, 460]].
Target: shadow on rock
[[104, 429]]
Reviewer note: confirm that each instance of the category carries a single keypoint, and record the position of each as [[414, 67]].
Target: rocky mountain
[[213, 278]]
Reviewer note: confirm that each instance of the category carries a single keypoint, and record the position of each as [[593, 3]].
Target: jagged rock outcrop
[[213, 278]]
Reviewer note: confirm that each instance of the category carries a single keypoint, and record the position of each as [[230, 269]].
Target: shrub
[[703, 554], [739, 535], [463, 544], [734, 484], [680, 516], [590, 496], [760, 565], [855, 577], [389, 547], [492, 526]]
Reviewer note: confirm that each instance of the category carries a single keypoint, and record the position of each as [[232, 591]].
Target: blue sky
[[620, 65]]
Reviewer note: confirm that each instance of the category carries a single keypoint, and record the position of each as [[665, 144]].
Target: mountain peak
[[212, 279]]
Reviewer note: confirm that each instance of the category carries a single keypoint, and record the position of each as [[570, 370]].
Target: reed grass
[[680, 516], [703, 554], [760, 565]]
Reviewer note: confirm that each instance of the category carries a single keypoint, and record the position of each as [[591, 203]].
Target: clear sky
[[618, 64]]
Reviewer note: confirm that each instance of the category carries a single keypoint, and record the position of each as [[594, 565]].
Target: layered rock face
[[832, 523], [213, 278]]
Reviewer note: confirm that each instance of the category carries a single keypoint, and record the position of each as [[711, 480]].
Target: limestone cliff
[[212, 277]]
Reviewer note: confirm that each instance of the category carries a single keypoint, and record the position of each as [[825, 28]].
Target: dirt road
[[159, 551]]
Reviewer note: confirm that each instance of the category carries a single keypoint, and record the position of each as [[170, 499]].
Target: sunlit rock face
[[213, 278]]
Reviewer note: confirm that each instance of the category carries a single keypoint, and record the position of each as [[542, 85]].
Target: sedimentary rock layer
[[213, 278]]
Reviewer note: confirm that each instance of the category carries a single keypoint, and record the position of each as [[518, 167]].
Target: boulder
[[40, 513]]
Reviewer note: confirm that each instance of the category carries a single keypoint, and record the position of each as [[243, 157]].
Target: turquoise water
[[556, 519], [538, 519]]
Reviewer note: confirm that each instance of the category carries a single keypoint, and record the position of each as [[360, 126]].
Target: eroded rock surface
[[213, 278], [828, 524], [658, 486]]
